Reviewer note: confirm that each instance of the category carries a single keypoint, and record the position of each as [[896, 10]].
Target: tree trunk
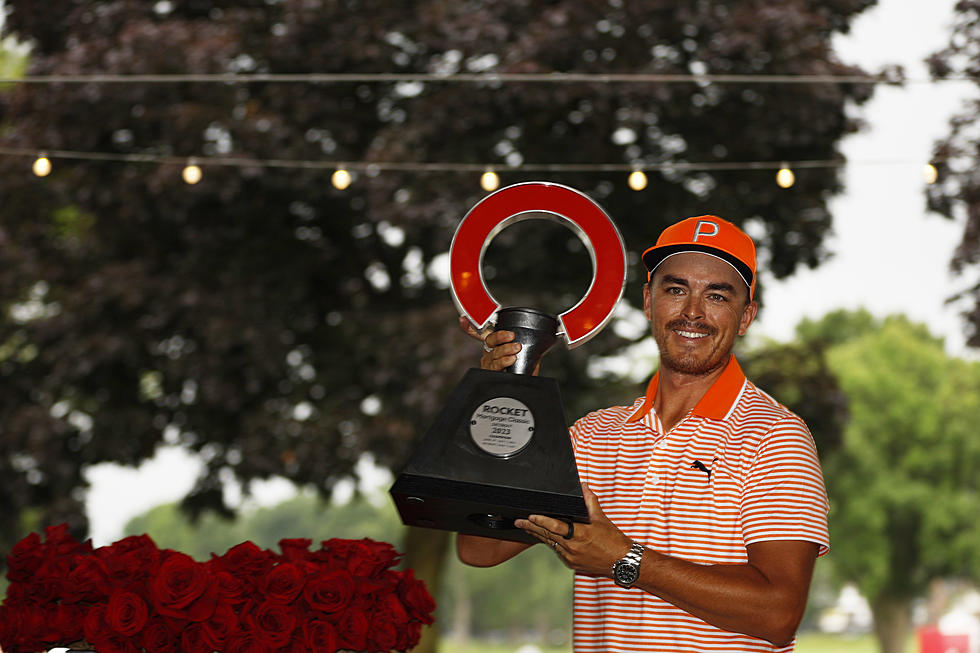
[[892, 619], [463, 609], [425, 551]]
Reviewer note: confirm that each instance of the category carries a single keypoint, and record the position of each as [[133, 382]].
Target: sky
[[889, 254]]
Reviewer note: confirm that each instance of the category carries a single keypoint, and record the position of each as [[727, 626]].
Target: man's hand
[[499, 352], [592, 549]]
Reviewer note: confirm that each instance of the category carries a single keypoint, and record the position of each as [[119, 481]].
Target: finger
[[467, 327], [471, 329], [556, 528], [534, 530], [592, 504], [499, 338], [502, 351]]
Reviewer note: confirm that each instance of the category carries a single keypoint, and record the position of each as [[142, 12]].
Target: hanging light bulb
[[637, 180], [785, 177], [489, 181], [340, 179], [191, 172], [929, 173], [42, 166]]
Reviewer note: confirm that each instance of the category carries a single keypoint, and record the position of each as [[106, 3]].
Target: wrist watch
[[626, 571]]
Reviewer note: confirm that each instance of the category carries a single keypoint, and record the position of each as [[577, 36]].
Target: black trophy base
[[461, 479]]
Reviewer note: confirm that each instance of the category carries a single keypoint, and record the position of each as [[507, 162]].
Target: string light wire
[[492, 78], [503, 78], [419, 166]]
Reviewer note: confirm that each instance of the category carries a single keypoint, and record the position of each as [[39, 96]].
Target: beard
[[685, 361]]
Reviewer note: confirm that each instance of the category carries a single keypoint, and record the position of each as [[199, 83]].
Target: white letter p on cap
[[699, 229]]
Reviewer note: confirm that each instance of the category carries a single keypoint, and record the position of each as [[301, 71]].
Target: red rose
[[283, 583], [193, 640], [295, 549], [329, 592], [157, 637], [364, 557], [378, 556], [47, 585], [25, 558], [416, 598], [352, 630], [21, 626], [95, 628], [183, 588], [67, 622], [115, 644], [393, 610], [232, 590], [383, 635], [220, 627], [410, 636], [319, 636], [6, 625], [88, 581], [370, 589], [101, 635], [245, 561], [130, 561], [275, 623], [247, 640], [59, 542], [126, 612], [388, 623]]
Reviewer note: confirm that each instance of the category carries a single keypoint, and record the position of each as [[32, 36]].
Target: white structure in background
[[964, 619], [852, 614]]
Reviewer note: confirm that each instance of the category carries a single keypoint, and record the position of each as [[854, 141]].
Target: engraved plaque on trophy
[[500, 448]]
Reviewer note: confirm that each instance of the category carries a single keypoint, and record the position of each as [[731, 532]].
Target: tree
[[279, 326], [957, 191], [903, 484]]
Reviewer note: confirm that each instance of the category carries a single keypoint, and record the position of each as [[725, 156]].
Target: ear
[[647, 302], [748, 315]]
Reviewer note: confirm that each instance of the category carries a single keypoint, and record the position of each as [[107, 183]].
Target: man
[[706, 501]]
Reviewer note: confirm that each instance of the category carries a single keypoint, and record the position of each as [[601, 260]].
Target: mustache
[[686, 325]]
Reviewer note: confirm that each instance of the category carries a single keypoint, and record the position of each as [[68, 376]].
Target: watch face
[[626, 573]]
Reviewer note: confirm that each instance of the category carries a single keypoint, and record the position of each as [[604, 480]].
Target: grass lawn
[[821, 643]]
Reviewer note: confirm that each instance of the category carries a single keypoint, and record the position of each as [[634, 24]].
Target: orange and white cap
[[707, 234]]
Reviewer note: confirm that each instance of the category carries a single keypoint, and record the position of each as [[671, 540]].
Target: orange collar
[[715, 403]]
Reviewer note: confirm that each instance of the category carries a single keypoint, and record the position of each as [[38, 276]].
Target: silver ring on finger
[[487, 349]]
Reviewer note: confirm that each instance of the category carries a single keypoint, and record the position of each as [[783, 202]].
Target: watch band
[[626, 571], [635, 554]]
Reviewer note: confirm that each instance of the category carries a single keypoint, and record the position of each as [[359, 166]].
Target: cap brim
[[654, 256]]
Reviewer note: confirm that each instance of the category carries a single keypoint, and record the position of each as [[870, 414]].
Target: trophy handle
[[535, 330]]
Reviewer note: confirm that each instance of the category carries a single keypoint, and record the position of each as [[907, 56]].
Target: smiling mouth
[[690, 334]]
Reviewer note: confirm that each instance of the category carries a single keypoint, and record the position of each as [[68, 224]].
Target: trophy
[[500, 448]]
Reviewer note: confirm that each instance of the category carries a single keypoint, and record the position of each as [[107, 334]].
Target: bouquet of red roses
[[132, 596]]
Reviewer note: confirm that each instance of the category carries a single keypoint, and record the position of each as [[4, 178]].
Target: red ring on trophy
[[540, 200]]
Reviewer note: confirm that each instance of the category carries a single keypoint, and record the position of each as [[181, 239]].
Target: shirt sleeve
[[784, 497]]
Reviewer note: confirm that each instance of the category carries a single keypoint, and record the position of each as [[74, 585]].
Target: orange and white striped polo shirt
[[739, 468]]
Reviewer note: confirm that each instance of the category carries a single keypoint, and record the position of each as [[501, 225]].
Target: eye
[[716, 297]]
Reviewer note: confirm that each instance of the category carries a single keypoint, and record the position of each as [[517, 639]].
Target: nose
[[693, 308]]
